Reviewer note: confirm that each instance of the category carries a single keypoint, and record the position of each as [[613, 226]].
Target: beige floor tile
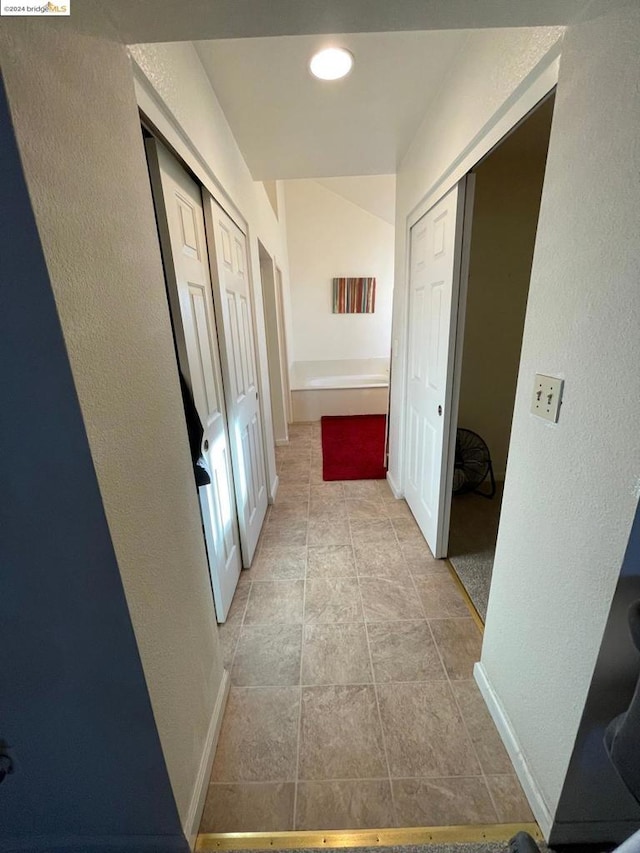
[[331, 561], [459, 643], [363, 509], [331, 509], [389, 600], [384, 490], [335, 654], [421, 561], [442, 802], [364, 489], [333, 600], [361, 804], [397, 509], [275, 602], [328, 532], [404, 651], [292, 492], [315, 475], [407, 530], [228, 634], [268, 655], [279, 564], [327, 491], [486, 740], [289, 477], [285, 513], [249, 807], [259, 736], [340, 735], [284, 534], [378, 530], [510, 801], [382, 560], [440, 596], [424, 732]]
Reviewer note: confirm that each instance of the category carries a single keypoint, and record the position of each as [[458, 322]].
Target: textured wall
[[572, 488], [78, 129], [88, 765], [332, 237]]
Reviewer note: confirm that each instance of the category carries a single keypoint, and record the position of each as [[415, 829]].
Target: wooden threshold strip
[[364, 837]]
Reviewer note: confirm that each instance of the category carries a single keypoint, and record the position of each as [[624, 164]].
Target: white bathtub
[[349, 387]]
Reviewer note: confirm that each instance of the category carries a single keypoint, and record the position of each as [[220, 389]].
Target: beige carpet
[[472, 543]]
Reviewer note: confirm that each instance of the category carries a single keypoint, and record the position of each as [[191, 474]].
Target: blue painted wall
[[74, 706]]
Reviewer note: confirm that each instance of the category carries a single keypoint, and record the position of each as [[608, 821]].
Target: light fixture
[[331, 63]]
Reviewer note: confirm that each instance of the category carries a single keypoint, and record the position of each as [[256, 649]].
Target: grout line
[[375, 689], [299, 738]]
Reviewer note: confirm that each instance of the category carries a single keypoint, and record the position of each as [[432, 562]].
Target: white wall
[[508, 186], [78, 128], [572, 488], [330, 236], [212, 152]]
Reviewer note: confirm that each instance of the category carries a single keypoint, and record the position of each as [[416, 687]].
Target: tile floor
[[351, 651]]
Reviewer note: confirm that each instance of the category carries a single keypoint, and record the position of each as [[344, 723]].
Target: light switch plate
[[547, 397]]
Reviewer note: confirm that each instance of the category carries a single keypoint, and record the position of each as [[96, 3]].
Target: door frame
[[542, 81], [273, 335]]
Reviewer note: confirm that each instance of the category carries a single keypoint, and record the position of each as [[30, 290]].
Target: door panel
[[232, 296], [184, 220], [436, 248]]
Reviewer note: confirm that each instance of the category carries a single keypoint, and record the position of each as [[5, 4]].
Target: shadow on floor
[[472, 543]]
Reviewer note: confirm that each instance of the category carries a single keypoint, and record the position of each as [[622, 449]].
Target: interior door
[[198, 346], [434, 281], [232, 296]]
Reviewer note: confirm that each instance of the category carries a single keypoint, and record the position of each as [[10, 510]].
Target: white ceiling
[[375, 193], [137, 21], [290, 125]]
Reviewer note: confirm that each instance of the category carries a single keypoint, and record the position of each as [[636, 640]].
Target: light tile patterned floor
[[351, 652]]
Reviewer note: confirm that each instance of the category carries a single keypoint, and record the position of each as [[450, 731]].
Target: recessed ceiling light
[[331, 63]]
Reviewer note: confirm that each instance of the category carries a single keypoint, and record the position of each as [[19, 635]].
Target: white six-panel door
[[185, 221], [434, 273], [231, 289]]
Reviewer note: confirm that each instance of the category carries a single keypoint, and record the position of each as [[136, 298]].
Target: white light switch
[[547, 396]]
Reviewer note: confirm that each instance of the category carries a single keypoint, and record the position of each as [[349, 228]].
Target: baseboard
[[194, 815], [512, 745], [282, 442], [274, 489], [397, 493]]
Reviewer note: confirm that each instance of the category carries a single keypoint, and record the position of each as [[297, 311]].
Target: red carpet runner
[[353, 447]]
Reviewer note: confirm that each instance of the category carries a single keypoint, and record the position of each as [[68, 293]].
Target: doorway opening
[[271, 279], [508, 189]]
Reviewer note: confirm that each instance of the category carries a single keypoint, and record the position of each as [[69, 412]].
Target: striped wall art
[[354, 295]]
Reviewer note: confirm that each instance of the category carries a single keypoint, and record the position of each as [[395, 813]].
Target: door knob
[[206, 444], [440, 410]]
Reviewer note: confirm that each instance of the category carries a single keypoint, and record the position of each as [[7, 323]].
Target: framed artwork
[[354, 295]]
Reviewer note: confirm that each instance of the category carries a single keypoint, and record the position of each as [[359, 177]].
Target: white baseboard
[[194, 815], [281, 442], [274, 489], [512, 745], [397, 493]]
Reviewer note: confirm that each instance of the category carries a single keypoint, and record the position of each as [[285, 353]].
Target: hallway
[[351, 652]]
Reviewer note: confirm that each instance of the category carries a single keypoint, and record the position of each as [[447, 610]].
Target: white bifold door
[[434, 287], [181, 225], [232, 295]]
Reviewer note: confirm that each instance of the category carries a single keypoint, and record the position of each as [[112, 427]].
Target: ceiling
[[290, 125], [375, 194], [137, 21]]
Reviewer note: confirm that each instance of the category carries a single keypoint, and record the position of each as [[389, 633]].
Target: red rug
[[353, 447]]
